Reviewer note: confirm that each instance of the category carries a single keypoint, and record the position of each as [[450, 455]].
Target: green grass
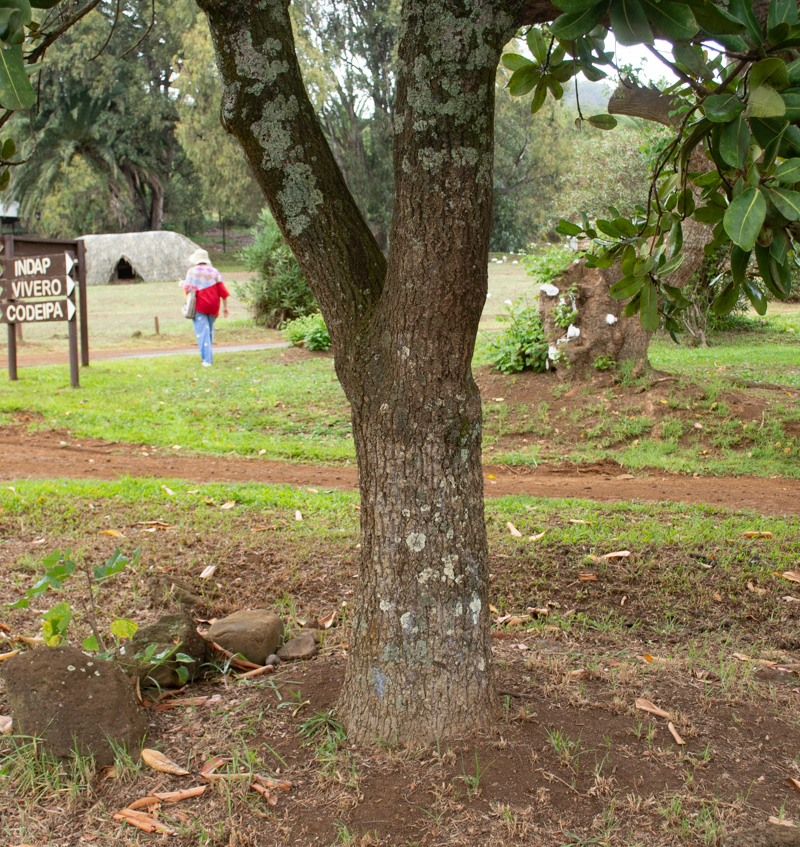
[[684, 560], [248, 404]]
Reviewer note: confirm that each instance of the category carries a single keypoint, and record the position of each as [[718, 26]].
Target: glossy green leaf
[[755, 295], [792, 101], [786, 202], [726, 299], [555, 87], [513, 61], [744, 218], [769, 273], [602, 121], [629, 22], [739, 261], [568, 228], [734, 141], [715, 19], [16, 92], [793, 70], [608, 228], [649, 308], [743, 10], [674, 21], [539, 96], [765, 102], [721, 108], [55, 623], [537, 45], [708, 214], [671, 265], [676, 238], [524, 80], [627, 287], [628, 260], [633, 307], [9, 149], [781, 12], [770, 72], [779, 249], [573, 25], [691, 57]]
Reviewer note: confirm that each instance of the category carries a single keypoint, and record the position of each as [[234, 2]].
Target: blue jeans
[[204, 330]]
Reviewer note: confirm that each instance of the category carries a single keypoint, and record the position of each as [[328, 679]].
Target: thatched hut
[[137, 257]]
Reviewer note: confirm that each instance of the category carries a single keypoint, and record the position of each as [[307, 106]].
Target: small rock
[[765, 835], [254, 633], [304, 646], [170, 632], [73, 702], [273, 660]]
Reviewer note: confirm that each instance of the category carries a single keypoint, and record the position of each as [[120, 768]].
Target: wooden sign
[[40, 312]]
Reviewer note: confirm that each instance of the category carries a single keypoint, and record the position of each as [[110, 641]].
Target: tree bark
[[403, 333]]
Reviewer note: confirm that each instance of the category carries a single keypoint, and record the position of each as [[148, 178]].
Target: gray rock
[[764, 835], [302, 647], [273, 660], [254, 633], [73, 702], [171, 632]]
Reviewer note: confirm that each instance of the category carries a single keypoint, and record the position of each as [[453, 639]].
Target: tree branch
[[633, 100], [66, 24], [265, 105]]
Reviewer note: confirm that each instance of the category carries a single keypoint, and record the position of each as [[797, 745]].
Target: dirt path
[[53, 454]]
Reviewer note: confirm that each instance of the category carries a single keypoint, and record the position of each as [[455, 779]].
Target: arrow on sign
[[71, 306], [70, 280]]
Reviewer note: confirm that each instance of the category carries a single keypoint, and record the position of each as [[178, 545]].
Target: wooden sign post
[[38, 289]]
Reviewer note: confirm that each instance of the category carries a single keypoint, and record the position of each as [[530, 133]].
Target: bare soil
[[570, 760], [55, 454]]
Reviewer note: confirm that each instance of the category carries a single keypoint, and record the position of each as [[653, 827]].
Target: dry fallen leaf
[[298, 515], [177, 796], [792, 576], [169, 491], [717, 597], [741, 657], [180, 701], [578, 521], [647, 706], [209, 768], [513, 530], [539, 611], [268, 782], [265, 793], [587, 577], [208, 572], [116, 533], [159, 762], [327, 621], [779, 822], [754, 534], [674, 733], [229, 505], [619, 554], [4, 656], [539, 536], [794, 783], [5, 725], [789, 599], [143, 821], [493, 610], [148, 802]]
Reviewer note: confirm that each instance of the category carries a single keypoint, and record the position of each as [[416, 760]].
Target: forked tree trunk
[[403, 335]]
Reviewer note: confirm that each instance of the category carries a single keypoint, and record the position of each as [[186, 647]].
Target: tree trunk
[[403, 334]]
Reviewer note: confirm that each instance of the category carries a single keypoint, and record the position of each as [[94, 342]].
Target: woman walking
[[205, 281]]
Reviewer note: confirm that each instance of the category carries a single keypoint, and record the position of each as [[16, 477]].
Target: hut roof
[[158, 256]]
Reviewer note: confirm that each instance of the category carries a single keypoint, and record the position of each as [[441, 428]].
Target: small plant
[[606, 362], [473, 780], [58, 568], [566, 310], [521, 345], [279, 292], [544, 267], [308, 331], [323, 726]]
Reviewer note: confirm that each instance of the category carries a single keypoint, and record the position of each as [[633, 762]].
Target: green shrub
[[551, 262], [309, 332], [279, 292], [521, 345]]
